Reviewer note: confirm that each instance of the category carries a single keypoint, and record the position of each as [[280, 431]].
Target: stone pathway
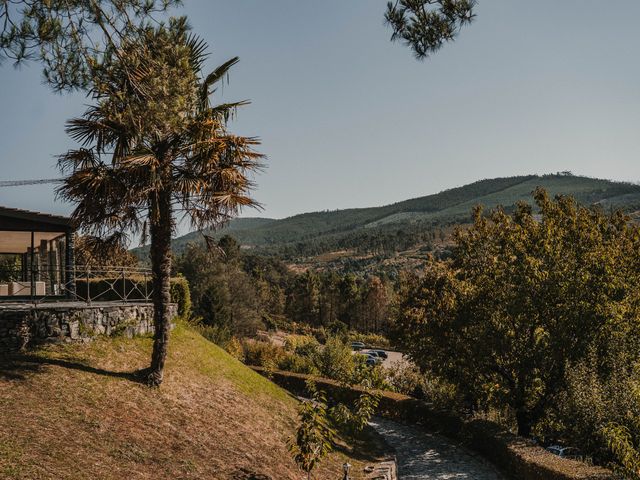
[[425, 456]]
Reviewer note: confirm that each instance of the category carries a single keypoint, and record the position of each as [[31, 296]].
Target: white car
[[565, 452]]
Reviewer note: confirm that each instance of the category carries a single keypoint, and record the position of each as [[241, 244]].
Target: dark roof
[[14, 218]]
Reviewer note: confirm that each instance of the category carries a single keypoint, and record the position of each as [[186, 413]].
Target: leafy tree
[[626, 449], [522, 299], [154, 146], [426, 25], [223, 295], [314, 435], [70, 38]]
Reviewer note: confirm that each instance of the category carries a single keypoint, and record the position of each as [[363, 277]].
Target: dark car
[[372, 354], [371, 361], [381, 353], [357, 346]]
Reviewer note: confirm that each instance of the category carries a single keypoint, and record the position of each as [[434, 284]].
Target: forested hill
[[411, 222]]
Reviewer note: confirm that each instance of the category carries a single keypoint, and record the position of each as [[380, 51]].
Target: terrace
[[46, 297]]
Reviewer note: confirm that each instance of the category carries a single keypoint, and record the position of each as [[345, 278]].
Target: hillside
[[74, 412], [410, 223]]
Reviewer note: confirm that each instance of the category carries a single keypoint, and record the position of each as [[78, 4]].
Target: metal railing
[[82, 284]]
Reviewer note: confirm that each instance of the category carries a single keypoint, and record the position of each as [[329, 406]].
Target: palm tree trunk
[[160, 232]]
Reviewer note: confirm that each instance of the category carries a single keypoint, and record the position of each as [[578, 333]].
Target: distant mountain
[[412, 221]]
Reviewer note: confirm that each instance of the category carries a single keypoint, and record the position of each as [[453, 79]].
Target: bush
[[304, 345], [336, 361], [406, 378], [234, 348], [370, 339], [292, 362], [181, 295], [262, 354], [220, 335]]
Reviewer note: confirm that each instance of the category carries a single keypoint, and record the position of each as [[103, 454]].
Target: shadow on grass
[[366, 446], [19, 366]]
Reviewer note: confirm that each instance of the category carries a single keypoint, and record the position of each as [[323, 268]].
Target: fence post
[[87, 272], [124, 285]]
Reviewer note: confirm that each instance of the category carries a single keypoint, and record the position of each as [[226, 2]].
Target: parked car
[[371, 361], [381, 353], [357, 346], [373, 354], [565, 452]]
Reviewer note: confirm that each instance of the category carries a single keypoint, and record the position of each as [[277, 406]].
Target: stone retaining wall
[[24, 325]]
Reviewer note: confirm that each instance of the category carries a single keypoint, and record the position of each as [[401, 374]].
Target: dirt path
[[425, 456]]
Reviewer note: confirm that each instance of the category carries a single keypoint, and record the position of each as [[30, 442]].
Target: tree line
[[239, 292]]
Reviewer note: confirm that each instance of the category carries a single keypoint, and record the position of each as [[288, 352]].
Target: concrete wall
[[22, 326]]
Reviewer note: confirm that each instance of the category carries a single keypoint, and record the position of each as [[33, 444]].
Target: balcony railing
[[80, 284]]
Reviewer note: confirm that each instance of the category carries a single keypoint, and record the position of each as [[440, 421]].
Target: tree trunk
[[160, 232], [523, 420]]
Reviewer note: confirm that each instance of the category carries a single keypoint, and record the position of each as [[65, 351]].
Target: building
[[36, 255]]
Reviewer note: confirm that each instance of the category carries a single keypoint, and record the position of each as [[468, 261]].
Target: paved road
[[424, 456]]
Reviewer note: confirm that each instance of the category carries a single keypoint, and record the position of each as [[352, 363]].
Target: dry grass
[[75, 412]]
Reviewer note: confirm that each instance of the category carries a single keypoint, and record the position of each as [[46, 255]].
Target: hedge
[[113, 289], [517, 457]]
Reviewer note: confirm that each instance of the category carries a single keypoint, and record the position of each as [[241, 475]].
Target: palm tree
[[154, 148]]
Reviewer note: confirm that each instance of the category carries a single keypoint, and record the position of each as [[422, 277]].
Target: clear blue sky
[[349, 119]]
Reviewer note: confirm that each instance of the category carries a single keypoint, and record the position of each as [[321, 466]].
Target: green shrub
[[234, 348], [336, 361], [220, 335], [370, 339], [181, 295], [292, 362], [305, 345], [406, 378], [262, 354]]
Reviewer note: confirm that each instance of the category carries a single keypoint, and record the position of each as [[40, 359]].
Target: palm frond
[[80, 159], [213, 78], [198, 51]]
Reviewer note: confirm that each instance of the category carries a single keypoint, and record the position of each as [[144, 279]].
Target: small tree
[[314, 436]]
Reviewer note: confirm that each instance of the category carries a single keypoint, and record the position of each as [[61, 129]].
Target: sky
[[349, 119]]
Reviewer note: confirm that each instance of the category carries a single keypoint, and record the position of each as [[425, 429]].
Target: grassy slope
[[73, 412]]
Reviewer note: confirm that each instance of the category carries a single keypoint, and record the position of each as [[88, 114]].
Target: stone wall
[[24, 325]]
